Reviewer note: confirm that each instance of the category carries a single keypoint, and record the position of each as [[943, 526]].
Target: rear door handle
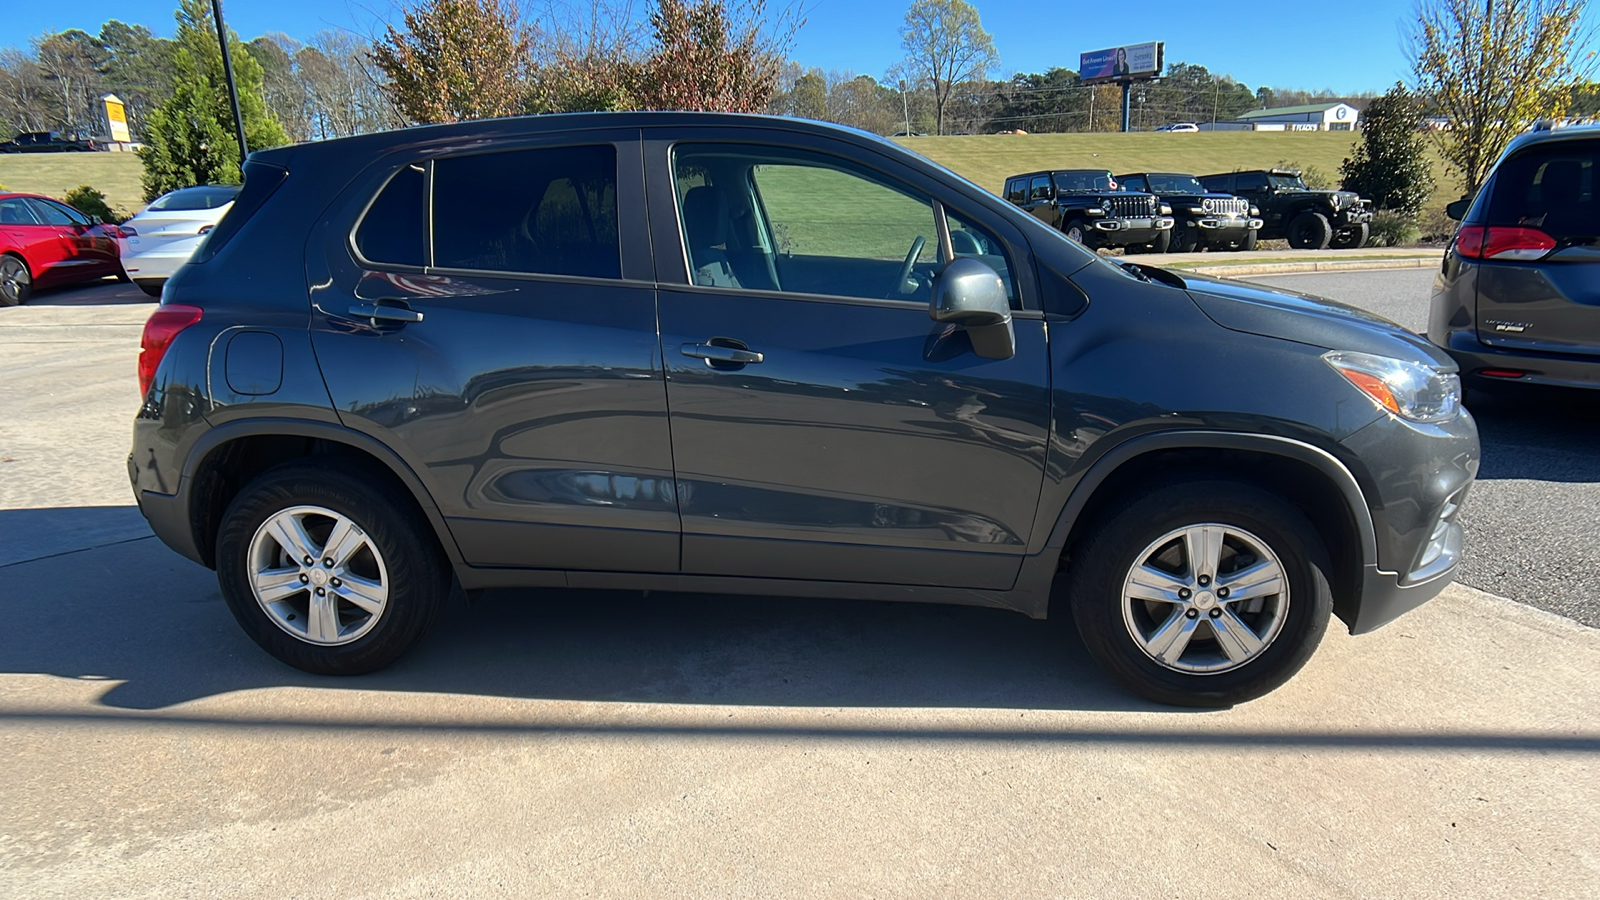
[[385, 313], [717, 353]]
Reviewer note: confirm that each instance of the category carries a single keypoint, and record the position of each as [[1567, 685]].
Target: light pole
[[227, 73], [905, 106]]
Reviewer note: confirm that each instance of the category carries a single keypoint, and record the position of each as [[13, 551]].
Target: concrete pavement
[[616, 745]]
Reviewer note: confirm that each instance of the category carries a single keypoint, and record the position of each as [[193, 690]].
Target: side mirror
[[970, 294], [1457, 209]]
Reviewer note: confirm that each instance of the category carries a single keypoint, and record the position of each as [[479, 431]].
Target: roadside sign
[[116, 119], [1132, 62]]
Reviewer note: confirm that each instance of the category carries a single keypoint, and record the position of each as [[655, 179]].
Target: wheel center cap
[[319, 577], [1205, 600]]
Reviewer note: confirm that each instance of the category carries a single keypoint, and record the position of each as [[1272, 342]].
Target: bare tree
[[1491, 68], [946, 46], [24, 93]]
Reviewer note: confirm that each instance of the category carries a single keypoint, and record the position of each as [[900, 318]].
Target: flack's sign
[[1133, 62]]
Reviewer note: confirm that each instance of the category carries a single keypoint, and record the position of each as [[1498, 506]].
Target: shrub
[[1311, 175], [1393, 229], [91, 202], [1390, 165]]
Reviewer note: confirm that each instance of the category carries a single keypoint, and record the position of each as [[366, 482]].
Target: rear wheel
[[16, 283], [1352, 238], [1202, 593], [151, 288], [1184, 239], [328, 573], [1310, 231]]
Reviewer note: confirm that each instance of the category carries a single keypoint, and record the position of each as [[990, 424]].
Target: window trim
[[938, 207]]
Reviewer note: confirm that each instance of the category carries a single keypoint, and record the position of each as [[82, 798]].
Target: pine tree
[[189, 138]]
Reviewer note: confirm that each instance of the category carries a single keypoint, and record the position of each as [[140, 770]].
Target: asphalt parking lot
[[610, 744]]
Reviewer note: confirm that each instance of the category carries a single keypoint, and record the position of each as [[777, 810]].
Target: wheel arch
[[1309, 477], [228, 457]]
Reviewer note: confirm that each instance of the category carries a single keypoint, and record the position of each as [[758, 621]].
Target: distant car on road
[[47, 142], [1088, 206], [44, 242], [1201, 219], [1309, 219], [1180, 127], [1518, 297], [166, 233]]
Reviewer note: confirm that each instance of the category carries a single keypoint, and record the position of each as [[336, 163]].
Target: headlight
[[1410, 390], [1255, 211], [1105, 205]]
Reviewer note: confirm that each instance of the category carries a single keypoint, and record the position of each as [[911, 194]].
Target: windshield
[[208, 197], [1288, 182], [1164, 184], [1088, 180]]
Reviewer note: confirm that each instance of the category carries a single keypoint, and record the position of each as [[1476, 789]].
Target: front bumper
[[1355, 215], [1151, 226], [1574, 370], [1214, 226]]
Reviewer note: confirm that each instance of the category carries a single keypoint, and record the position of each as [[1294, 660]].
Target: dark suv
[[1517, 299], [1088, 206], [1309, 219], [699, 352], [1202, 219]]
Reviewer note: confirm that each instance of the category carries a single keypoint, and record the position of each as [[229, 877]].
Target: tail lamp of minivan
[[163, 325], [1503, 242]]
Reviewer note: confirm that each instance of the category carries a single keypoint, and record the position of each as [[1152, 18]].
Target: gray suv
[[1518, 298], [699, 352]]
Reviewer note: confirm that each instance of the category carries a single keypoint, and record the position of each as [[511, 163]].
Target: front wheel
[[1202, 593], [1162, 243], [327, 572], [1184, 239], [16, 283], [1076, 230], [1310, 231], [1352, 238]]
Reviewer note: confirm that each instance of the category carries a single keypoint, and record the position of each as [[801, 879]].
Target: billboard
[[116, 118], [1134, 62]]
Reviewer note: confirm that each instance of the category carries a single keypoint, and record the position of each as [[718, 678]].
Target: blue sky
[[1345, 46]]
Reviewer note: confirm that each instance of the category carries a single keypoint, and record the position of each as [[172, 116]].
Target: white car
[[1180, 126], [166, 233]]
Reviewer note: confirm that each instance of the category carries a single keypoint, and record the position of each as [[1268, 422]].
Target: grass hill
[[53, 174]]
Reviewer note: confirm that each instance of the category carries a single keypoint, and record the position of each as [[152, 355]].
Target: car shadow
[[132, 612], [1538, 433], [104, 292]]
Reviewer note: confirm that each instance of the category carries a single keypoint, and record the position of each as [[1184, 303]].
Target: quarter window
[[545, 211], [394, 229]]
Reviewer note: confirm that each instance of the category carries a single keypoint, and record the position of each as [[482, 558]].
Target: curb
[[1295, 268]]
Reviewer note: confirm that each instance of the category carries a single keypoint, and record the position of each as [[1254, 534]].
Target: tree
[[189, 138], [945, 46], [71, 62], [707, 57], [138, 71], [455, 60], [1390, 165], [1492, 67]]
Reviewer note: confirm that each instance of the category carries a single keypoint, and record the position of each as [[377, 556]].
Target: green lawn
[[53, 174]]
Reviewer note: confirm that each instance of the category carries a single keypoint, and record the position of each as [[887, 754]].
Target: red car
[[45, 242]]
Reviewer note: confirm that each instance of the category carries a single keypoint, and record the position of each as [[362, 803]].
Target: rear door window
[[1550, 188], [547, 211], [1250, 181], [51, 214]]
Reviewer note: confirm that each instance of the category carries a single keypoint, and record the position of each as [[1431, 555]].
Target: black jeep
[[1086, 206], [1309, 219], [46, 142], [1203, 219]]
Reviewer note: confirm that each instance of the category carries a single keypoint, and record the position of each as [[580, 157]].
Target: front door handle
[[722, 350], [376, 313]]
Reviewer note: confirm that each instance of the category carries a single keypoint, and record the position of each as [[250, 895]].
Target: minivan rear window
[[1549, 187]]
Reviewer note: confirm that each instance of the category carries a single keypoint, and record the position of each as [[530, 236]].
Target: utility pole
[[227, 73], [905, 106], [1127, 105]]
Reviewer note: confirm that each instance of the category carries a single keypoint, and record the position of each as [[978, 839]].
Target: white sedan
[[166, 233]]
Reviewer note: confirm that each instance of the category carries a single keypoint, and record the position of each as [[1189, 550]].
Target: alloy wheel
[[318, 576], [14, 280]]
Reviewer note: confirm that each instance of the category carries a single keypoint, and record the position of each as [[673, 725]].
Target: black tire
[[1076, 230], [151, 288], [1135, 249], [417, 571], [1184, 239], [1107, 555], [1310, 231], [1249, 242], [1352, 238], [15, 291], [1162, 243]]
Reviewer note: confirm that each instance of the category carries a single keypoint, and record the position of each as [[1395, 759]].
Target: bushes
[[1392, 229], [1313, 177], [91, 202]]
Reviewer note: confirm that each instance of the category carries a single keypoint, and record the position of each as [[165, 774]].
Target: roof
[[1293, 110]]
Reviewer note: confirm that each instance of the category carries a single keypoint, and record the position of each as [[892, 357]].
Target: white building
[[1334, 116]]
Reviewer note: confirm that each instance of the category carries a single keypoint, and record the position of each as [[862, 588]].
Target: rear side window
[[1550, 188], [394, 230], [546, 211], [1221, 184], [1250, 181], [50, 214]]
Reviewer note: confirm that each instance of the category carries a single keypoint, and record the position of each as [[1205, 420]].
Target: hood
[[1306, 319]]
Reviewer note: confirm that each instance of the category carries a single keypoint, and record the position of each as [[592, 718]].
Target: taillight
[[164, 325], [1503, 242]]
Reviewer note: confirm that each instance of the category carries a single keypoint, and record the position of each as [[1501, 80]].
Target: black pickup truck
[[1087, 206], [1203, 219], [1309, 219], [46, 142]]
